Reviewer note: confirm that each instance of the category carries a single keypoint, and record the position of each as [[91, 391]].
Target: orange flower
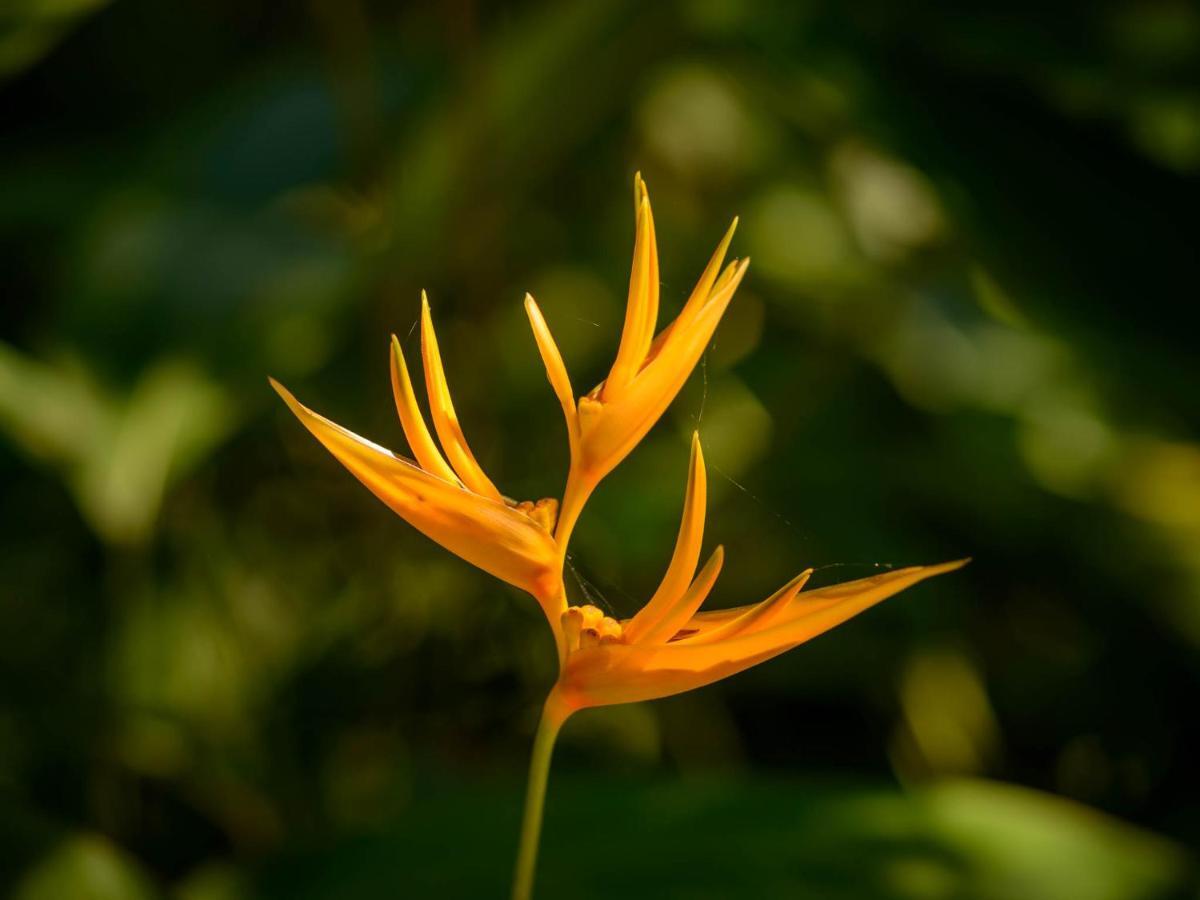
[[453, 503], [670, 647], [667, 647], [609, 421]]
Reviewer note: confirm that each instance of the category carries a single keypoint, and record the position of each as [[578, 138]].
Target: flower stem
[[554, 713], [575, 496]]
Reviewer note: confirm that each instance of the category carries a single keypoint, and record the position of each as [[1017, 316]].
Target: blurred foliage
[[961, 839], [227, 672]]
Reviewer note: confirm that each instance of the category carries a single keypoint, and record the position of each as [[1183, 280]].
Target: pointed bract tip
[[941, 568], [639, 194], [797, 584], [288, 397], [397, 349], [424, 300], [533, 312]]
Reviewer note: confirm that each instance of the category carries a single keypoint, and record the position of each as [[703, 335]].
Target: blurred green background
[[228, 672]]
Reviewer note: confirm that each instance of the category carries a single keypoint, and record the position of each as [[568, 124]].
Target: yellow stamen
[[586, 626], [544, 512]]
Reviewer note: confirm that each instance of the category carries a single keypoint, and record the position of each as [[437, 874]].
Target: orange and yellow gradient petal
[[648, 372], [490, 534], [670, 647], [616, 672]]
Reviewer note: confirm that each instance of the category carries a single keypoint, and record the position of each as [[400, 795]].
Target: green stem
[[554, 713]]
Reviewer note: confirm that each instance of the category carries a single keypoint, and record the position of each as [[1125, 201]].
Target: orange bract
[[669, 646], [494, 535], [608, 422]]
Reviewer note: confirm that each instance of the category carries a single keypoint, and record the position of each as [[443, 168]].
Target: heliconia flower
[[608, 422], [670, 647], [453, 502]]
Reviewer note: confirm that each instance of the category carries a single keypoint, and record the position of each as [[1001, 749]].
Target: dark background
[[227, 672]]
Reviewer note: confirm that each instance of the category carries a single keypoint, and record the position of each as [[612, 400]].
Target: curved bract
[[493, 535], [669, 646], [604, 425], [619, 672]]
